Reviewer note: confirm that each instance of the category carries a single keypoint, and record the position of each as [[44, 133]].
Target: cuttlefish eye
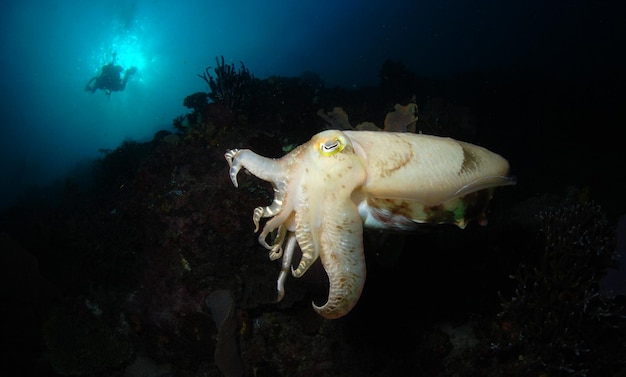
[[332, 146]]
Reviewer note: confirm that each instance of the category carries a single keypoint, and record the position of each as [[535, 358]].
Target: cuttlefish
[[328, 189]]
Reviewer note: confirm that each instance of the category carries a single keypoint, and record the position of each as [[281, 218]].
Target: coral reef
[[396, 82], [79, 343], [336, 119], [558, 321], [222, 306], [122, 268], [440, 116], [230, 86], [402, 119]]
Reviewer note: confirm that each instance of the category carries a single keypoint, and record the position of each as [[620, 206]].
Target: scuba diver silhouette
[[111, 78]]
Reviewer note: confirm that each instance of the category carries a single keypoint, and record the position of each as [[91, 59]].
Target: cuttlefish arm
[[342, 258], [267, 169], [313, 185]]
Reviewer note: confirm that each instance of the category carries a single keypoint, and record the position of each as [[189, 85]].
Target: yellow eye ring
[[332, 146]]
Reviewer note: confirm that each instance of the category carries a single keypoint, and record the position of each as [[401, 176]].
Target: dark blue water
[[50, 49]]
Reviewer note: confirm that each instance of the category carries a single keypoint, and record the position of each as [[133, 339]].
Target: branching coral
[[229, 86]]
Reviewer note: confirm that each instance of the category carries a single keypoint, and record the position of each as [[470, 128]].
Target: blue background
[[51, 127]]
